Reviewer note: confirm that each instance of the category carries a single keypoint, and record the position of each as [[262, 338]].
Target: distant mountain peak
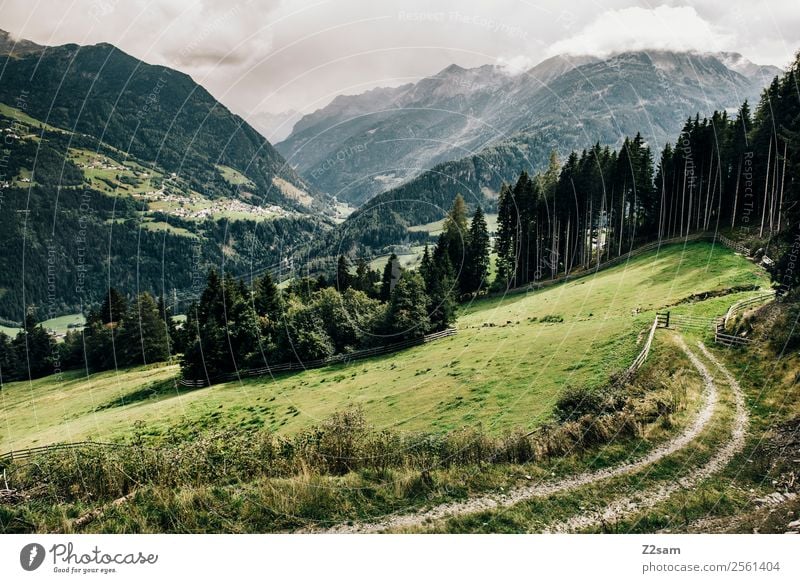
[[450, 69], [382, 138], [741, 64], [10, 45]]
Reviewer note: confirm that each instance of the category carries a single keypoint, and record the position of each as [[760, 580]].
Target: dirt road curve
[[616, 509], [647, 499]]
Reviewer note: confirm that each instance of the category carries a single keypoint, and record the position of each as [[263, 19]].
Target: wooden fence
[[734, 245], [725, 339], [692, 322], [743, 305], [24, 454], [642, 356], [319, 363]]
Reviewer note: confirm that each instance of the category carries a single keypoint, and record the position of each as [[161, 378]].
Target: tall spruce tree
[[343, 278], [267, 299], [34, 348], [143, 336], [8, 360], [114, 307], [505, 241], [391, 275], [441, 286], [407, 313], [456, 235], [477, 254]]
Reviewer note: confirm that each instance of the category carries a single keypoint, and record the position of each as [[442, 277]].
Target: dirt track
[[617, 509]]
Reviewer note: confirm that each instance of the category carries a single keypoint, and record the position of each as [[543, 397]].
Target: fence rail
[[742, 305], [642, 356], [734, 245], [24, 454], [722, 337], [692, 322], [335, 359]]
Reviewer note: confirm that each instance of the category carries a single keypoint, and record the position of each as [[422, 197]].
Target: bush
[[785, 333], [575, 402], [551, 319]]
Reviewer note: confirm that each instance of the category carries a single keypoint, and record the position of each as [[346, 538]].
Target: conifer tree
[[391, 275], [143, 337], [456, 233], [407, 313], [267, 298], [114, 307], [477, 254], [505, 241], [34, 348], [8, 361], [343, 277], [441, 286]]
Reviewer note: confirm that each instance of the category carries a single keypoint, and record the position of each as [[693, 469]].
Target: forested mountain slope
[[119, 173], [154, 113]]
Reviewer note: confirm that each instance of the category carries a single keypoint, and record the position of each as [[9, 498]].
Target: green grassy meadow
[[59, 325], [435, 227], [505, 369]]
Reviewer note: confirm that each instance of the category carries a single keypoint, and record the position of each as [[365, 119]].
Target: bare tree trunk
[[661, 217], [589, 223], [766, 187], [673, 205], [773, 193], [683, 197], [783, 182], [736, 194], [719, 204], [708, 190], [622, 218]]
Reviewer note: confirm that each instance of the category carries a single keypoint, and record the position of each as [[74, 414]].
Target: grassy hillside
[[505, 369]]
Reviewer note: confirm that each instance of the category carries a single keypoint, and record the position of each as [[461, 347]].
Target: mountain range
[[362, 145]]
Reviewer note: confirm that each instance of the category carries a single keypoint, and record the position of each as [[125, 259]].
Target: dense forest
[[723, 172], [235, 326]]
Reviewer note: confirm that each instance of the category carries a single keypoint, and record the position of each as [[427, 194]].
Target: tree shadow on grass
[[156, 390]]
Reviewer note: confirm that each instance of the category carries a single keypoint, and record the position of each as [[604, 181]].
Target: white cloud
[[661, 28], [274, 55], [515, 65]]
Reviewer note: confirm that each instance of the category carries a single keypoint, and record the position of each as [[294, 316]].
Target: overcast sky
[[272, 55]]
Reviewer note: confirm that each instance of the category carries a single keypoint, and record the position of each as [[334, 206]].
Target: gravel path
[[648, 498], [616, 509]]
